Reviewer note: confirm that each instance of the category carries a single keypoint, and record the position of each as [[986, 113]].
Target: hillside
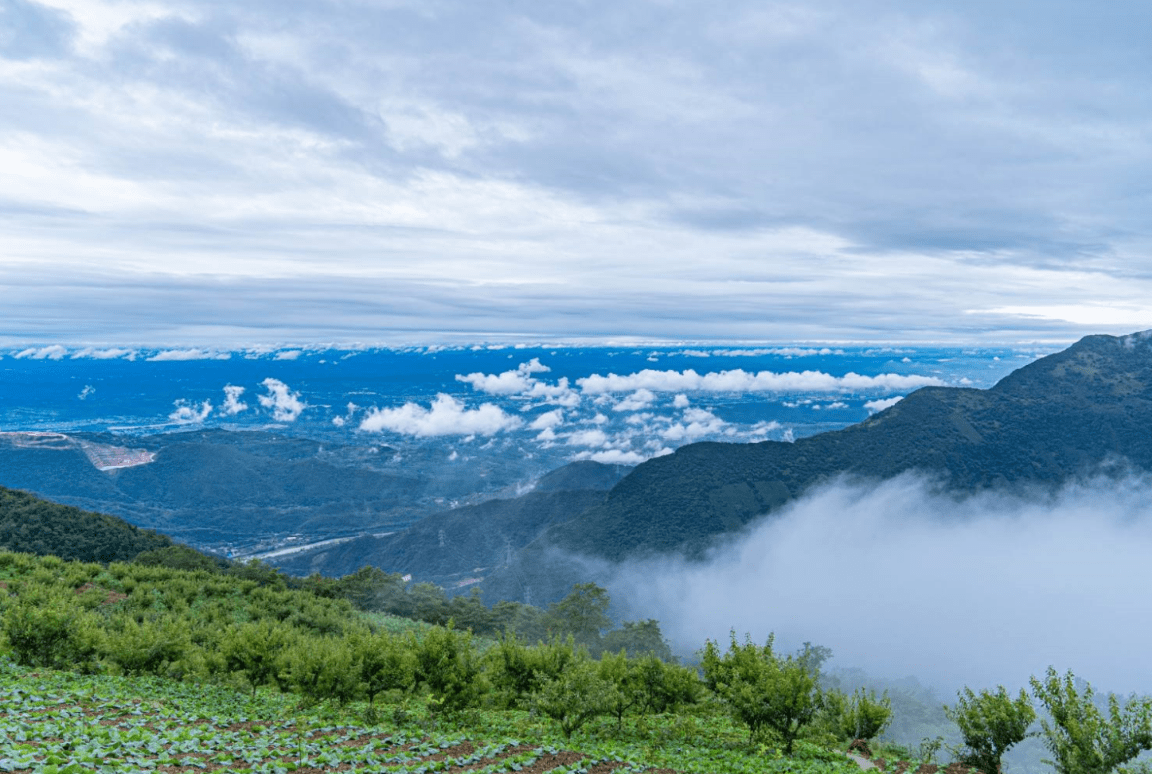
[[31, 525], [453, 545], [216, 487], [1061, 416]]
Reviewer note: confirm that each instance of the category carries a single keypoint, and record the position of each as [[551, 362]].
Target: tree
[[583, 614], [864, 716], [990, 723], [638, 638], [48, 627], [764, 690], [447, 663], [254, 649], [385, 664], [1080, 738], [321, 668], [576, 696]]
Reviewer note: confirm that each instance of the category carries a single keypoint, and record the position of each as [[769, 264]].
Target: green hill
[[1073, 413], [447, 547], [31, 525]]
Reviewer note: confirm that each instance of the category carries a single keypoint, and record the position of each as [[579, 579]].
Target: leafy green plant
[[576, 696], [864, 715], [990, 723], [449, 666], [764, 690], [47, 626], [254, 649], [1081, 739]]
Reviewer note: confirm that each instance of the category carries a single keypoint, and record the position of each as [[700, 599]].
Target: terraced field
[[60, 723], [64, 723]]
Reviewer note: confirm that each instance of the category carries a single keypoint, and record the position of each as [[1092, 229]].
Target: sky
[[386, 171]]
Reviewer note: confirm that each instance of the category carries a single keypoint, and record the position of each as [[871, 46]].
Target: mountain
[[31, 525], [450, 546], [1068, 414], [216, 487]]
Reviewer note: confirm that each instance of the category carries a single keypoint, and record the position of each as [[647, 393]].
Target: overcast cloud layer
[[199, 172]]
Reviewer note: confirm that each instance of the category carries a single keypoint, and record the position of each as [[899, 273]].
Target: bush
[[1080, 738], [48, 627], [147, 647], [448, 665], [576, 696], [254, 650], [385, 664], [322, 668], [990, 723], [763, 690], [864, 716]]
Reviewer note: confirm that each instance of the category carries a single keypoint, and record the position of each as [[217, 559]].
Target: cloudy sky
[[392, 171]]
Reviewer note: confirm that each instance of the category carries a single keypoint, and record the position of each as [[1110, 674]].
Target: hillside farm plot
[[59, 723]]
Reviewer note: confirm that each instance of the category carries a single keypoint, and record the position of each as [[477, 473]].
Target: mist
[[900, 579]]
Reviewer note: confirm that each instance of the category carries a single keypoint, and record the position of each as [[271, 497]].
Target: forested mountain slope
[[1061, 416], [31, 525]]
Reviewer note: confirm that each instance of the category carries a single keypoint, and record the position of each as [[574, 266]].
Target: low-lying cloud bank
[[901, 580]]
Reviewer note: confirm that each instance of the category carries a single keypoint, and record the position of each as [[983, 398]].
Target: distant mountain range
[[1082, 411], [1076, 412]]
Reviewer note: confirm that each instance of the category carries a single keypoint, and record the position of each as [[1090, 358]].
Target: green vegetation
[[242, 673], [1081, 739], [1043, 424], [171, 668], [31, 525], [766, 691], [991, 724]]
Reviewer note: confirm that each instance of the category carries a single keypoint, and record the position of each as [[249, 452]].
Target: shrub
[[764, 690], [254, 650], [48, 627], [147, 647], [990, 723], [864, 716], [1080, 738], [448, 665], [576, 696], [385, 663], [321, 668]]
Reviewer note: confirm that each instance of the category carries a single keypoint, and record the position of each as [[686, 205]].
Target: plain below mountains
[[1083, 411]]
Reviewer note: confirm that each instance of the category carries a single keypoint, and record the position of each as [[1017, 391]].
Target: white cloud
[[883, 403], [613, 457], [697, 424], [189, 413], [739, 380], [338, 421], [288, 354], [763, 428], [548, 420], [111, 353], [232, 403], [637, 401], [189, 354], [559, 394], [53, 352], [284, 403], [508, 382], [778, 351], [84, 393], [446, 416], [593, 437], [1062, 579], [681, 401]]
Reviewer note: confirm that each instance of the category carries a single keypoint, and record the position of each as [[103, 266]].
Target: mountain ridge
[[1061, 416]]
